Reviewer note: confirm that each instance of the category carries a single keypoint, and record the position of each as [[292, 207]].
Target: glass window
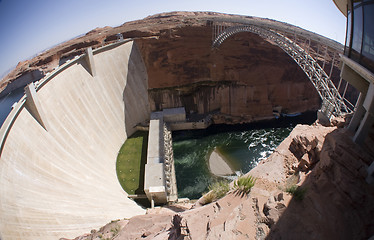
[[356, 3], [357, 33], [368, 37], [348, 36]]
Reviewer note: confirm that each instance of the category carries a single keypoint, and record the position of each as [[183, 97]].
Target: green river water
[[242, 145]]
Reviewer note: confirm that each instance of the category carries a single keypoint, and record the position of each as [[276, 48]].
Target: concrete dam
[[60, 142], [59, 146]]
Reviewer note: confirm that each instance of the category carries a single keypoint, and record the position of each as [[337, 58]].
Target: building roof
[[342, 6]]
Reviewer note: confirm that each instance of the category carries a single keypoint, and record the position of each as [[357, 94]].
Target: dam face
[[61, 181]]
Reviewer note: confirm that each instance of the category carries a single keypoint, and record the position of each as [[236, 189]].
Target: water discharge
[[243, 146], [7, 101]]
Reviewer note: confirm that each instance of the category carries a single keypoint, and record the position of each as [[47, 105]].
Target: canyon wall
[[242, 81], [61, 181]]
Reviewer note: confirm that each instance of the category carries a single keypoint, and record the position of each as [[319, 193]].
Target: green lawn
[[131, 161]]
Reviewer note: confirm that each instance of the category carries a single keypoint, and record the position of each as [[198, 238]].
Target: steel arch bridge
[[333, 104]]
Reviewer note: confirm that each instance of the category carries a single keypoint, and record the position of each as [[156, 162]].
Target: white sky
[[29, 26]]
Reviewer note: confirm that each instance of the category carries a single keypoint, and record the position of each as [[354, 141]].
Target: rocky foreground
[[335, 203]]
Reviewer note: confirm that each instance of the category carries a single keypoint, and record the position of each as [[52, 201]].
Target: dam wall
[[59, 180]]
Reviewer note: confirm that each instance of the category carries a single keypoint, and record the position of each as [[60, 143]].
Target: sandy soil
[[218, 164]]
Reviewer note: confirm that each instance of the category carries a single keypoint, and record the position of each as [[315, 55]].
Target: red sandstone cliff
[[242, 81]]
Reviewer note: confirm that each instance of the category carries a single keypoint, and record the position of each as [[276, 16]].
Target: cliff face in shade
[[243, 80]]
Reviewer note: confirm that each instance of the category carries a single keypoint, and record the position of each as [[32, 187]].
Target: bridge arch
[[333, 103]]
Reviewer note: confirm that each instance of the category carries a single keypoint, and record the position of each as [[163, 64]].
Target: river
[[7, 101]]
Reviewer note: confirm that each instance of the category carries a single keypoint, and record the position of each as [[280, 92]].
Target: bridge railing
[[319, 78]]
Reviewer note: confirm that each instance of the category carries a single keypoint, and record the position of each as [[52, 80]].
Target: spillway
[[59, 180]]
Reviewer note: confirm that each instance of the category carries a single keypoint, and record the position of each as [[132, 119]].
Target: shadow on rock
[[338, 203]]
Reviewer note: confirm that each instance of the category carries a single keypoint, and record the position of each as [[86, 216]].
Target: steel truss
[[332, 102]]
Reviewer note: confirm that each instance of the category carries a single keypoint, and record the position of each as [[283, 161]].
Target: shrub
[[244, 184], [217, 190], [208, 198], [297, 192], [115, 230], [220, 188]]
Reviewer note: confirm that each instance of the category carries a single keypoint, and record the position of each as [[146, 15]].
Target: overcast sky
[[29, 26]]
